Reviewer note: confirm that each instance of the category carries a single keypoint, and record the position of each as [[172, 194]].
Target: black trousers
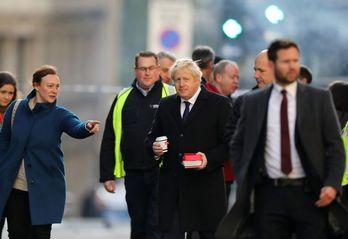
[[345, 201], [17, 212], [281, 212], [142, 202], [175, 231], [2, 222]]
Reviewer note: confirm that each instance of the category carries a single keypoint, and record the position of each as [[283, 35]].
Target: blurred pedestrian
[[190, 198], [8, 93], [263, 74], [305, 76], [204, 56], [225, 82], [165, 60], [225, 78], [339, 91], [32, 181], [122, 152]]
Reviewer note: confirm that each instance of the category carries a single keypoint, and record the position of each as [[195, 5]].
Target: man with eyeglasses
[[122, 151]]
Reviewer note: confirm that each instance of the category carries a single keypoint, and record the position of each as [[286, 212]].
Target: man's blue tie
[[186, 111]]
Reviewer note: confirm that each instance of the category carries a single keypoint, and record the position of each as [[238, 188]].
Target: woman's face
[[7, 92], [47, 91]]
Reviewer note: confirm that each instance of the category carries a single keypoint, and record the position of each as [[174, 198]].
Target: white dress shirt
[[273, 138], [192, 101]]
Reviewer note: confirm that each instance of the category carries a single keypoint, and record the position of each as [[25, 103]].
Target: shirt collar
[[144, 92], [290, 88]]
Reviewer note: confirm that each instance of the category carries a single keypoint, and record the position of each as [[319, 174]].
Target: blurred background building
[[93, 43]]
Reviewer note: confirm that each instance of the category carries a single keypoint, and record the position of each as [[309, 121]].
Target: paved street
[[81, 228], [76, 228]]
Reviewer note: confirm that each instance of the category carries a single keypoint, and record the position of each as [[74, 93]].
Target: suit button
[[180, 155], [181, 135], [32, 181], [29, 165]]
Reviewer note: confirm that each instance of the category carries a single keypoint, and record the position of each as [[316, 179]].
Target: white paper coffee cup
[[163, 141]]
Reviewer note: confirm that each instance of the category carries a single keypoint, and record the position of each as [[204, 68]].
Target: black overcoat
[[199, 194]]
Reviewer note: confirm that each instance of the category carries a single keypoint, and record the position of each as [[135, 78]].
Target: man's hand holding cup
[[160, 146]]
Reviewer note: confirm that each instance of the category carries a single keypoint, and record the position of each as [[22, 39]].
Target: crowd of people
[[280, 140], [280, 143]]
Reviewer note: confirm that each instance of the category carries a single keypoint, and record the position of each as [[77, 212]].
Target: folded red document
[[192, 160]]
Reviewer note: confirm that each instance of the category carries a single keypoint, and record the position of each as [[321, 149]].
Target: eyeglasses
[[145, 69]]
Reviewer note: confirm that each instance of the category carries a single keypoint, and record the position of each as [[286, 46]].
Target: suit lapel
[[261, 107], [175, 110], [300, 105], [300, 124]]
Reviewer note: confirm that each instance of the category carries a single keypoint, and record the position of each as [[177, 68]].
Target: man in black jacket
[[122, 151], [190, 199]]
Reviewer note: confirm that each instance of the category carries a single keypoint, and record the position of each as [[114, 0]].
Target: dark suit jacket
[[317, 139], [199, 194], [235, 115]]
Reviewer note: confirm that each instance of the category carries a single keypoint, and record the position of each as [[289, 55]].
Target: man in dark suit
[[191, 199], [288, 151]]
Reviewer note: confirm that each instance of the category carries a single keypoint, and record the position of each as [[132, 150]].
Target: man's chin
[[183, 96], [260, 85]]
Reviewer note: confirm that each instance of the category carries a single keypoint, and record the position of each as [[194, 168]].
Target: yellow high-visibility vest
[[345, 142], [122, 96]]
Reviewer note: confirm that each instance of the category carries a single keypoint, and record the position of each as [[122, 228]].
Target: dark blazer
[[200, 194], [317, 139]]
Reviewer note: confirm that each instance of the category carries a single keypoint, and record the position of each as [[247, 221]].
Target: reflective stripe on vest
[[117, 124], [345, 142]]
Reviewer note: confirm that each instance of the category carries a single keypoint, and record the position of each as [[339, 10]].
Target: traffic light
[[232, 28], [274, 14]]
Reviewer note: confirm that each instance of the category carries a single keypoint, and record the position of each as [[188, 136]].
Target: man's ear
[[218, 78], [211, 65]]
